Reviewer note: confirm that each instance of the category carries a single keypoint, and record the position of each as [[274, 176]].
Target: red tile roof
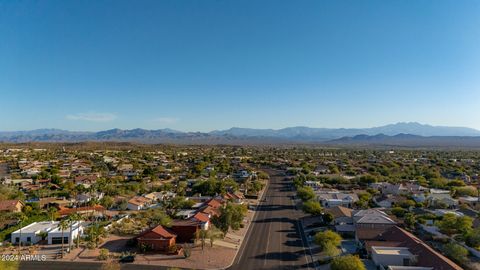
[[211, 211], [182, 222], [214, 203], [67, 211], [159, 231], [139, 200], [9, 205], [201, 217]]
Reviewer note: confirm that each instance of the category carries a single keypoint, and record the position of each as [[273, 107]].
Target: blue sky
[[204, 65]]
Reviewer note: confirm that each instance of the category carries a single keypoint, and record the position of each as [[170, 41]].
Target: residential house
[[15, 206], [442, 212], [96, 210], [138, 203], [423, 254], [472, 202], [32, 233], [392, 256], [388, 201], [321, 169], [85, 180], [336, 198], [439, 196], [87, 197], [203, 218], [399, 188], [186, 230], [236, 197], [342, 219], [157, 239], [160, 196], [313, 184], [186, 214], [370, 223]]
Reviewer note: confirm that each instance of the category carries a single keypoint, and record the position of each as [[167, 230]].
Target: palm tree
[[52, 212], [94, 235], [22, 219], [214, 234], [72, 219], [63, 225], [202, 235], [77, 217]]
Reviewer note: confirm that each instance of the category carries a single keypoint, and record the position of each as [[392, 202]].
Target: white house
[[470, 201], [138, 203], [336, 198], [55, 235], [441, 196], [313, 184], [49, 230], [392, 256]]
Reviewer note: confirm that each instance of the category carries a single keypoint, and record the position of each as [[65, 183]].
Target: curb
[[249, 227]]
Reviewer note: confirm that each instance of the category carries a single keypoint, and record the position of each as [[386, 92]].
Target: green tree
[[63, 225], [156, 216], [107, 202], [367, 179], [214, 234], [202, 236], [328, 218], [472, 238], [231, 216], [305, 193], [348, 262], [410, 220], [72, 219], [329, 242], [398, 211], [104, 254], [52, 213], [455, 252], [312, 207], [94, 235], [22, 218], [451, 224]]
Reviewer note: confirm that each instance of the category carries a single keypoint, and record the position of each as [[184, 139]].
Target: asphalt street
[[274, 240]]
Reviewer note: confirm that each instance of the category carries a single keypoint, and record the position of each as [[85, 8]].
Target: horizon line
[[233, 127]]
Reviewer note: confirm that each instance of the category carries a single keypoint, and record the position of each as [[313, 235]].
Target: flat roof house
[[398, 240], [31, 234], [396, 256]]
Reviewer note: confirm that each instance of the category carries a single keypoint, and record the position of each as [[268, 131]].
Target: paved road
[[59, 265], [274, 240]]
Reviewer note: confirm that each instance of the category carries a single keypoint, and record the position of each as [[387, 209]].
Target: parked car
[[127, 259]]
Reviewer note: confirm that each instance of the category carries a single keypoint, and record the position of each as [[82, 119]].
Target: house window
[[29, 239], [17, 239]]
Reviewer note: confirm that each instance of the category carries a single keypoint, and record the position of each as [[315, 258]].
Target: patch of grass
[[9, 265]]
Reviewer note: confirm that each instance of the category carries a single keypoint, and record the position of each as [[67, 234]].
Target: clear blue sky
[[204, 65]]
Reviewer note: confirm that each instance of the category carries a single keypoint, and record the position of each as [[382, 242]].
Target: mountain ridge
[[298, 134]]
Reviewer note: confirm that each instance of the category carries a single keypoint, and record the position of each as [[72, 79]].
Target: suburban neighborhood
[[192, 207]]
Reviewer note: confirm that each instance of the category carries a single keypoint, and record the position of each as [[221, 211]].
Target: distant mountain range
[[408, 140], [322, 134], [399, 133]]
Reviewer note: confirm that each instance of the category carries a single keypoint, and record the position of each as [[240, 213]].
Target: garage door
[[58, 240]]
